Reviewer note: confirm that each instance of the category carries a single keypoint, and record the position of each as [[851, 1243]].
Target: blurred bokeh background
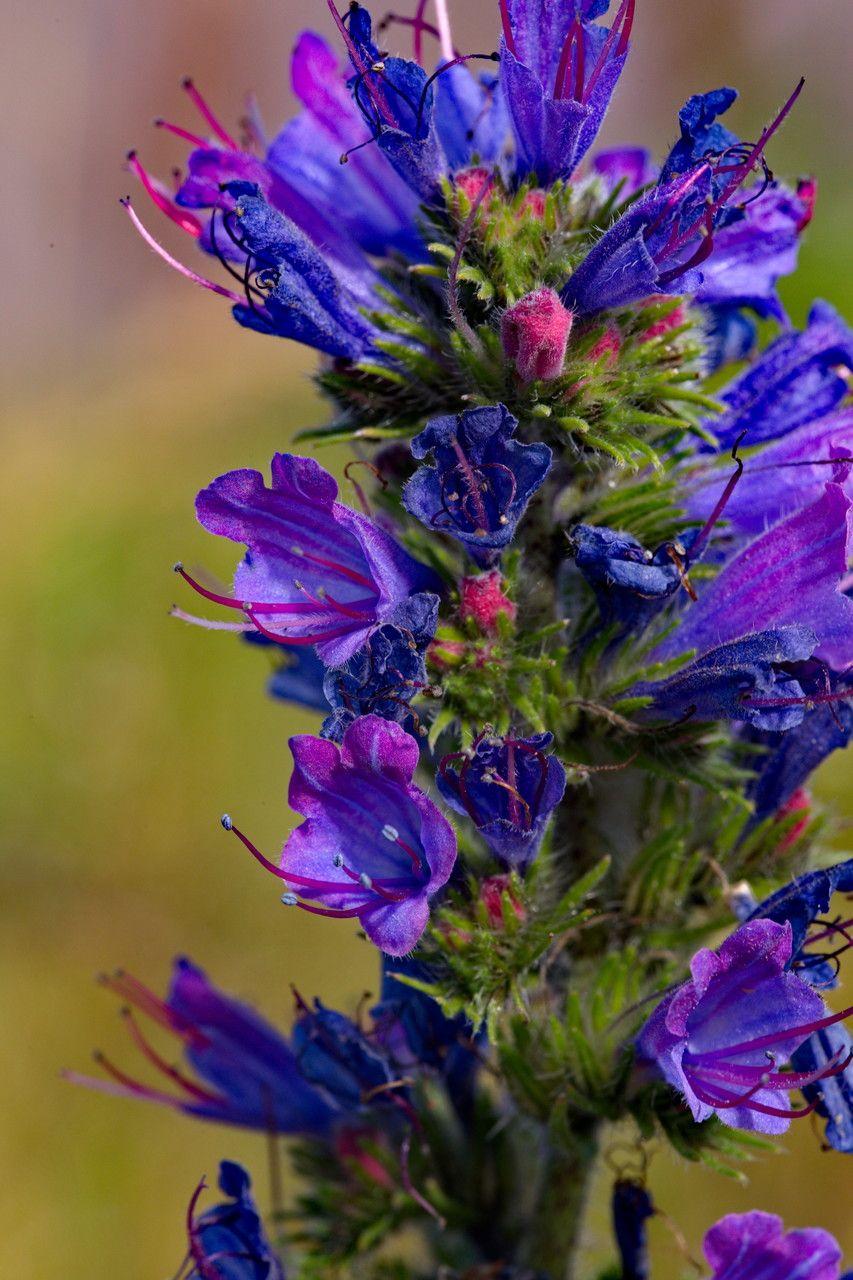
[[126, 733]]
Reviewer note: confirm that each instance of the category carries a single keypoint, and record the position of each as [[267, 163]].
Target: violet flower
[[559, 70], [508, 787], [228, 1241], [480, 480], [756, 1246], [315, 572], [791, 757], [777, 603], [665, 237], [722, 1036], [244, 1071], [373, 846], [796, 380]]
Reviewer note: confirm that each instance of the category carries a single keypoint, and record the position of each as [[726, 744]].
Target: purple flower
[[756, 1246], [790, 576], [384, 676], [315, 572], [480, 481], [660, 243], [629, 166], [784, 476], [373, 846], [559, 70], [796, 380], [228, 1241], [721, 1037], [509, 788], [245, 1072]]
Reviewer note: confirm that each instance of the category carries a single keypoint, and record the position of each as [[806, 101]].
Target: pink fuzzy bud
[[482, 599], [535, 333], [472, 181], [492, 891]]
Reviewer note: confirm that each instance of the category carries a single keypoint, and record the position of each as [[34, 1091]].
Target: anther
[[338, 860], [365, 881], [390, 833], [289, 899]]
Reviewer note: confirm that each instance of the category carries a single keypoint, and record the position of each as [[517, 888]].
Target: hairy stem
[[556, 1230]]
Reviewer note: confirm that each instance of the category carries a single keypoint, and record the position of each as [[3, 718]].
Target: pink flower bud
[[534, 334], [675, 318], [798, 803], [482, 599], [472, 181], [807, 194], [491, 896]]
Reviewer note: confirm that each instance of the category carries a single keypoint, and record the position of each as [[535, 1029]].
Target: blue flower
[[292, 290], [754, 679], [665, 237], [339, 1059], [228, 1241], [508, 787], [558, 71], [315, 572], [756, 1246], [796, 380], [791, 757], [631, 1207], [417, 1035], [799, 904], [385, 675], [722, 1036], [299, 676], [245, 1072], [701, 133], [630, 583], [480, 481]]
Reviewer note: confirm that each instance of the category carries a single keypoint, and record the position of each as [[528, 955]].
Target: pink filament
[[173, 262], [207, 115], [186, 221], [176, 129]]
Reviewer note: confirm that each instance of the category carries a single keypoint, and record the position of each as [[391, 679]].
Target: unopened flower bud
[[535, 333], [482, 599]]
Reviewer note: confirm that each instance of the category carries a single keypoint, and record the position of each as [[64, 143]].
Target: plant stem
[[556, 1230]]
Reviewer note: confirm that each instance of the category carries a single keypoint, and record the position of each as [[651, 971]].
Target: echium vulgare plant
[[579, 635]]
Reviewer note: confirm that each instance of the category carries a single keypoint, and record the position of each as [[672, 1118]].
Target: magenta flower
[[315, 572], [721, 1037], [756, 1246], [373, 846]]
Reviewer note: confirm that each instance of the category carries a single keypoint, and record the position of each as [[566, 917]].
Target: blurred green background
[[127, 733]]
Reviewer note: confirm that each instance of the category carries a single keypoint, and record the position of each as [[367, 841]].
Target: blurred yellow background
[[126, 733]]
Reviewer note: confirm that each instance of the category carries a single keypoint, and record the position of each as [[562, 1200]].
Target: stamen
[[442, 18], [186, 221], [180, 132], [573, 41], [774, 1038], [509, 38], [207, 115], [376, 95], [723, 1102], [133, 1086], [681, 567], [625, 20], [707, 528], [184, 1082], [173, 262]]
